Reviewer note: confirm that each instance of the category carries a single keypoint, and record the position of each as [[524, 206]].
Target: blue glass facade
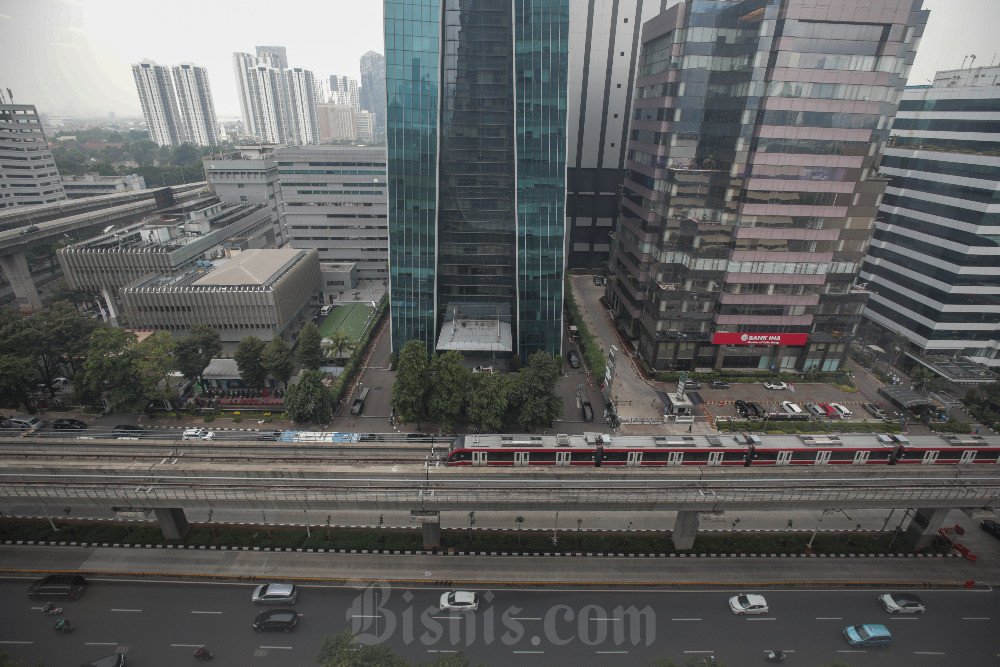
[[476, 133]]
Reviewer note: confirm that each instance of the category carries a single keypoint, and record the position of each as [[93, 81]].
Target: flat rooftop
[[250, 267]]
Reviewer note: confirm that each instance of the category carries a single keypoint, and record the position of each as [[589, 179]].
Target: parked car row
[[753, 410]]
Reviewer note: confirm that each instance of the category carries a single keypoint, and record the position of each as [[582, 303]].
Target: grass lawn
[[350, 319]]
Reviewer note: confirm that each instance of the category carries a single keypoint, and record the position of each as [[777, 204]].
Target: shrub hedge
[[590, 349]]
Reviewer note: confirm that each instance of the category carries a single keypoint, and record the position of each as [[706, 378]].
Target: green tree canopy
[[129, 374], [448, 390], [490, 400], [310, 347], [534, 400], [338, 347], [248, 361], [193, 353], [17, 377], [308, 399], [409, 391], [278, 360]]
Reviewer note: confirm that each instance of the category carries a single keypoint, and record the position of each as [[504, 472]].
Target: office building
[[159, 103], [28, 173], [931, 266], [249, 293], [336, 123], [751, 188], [364, 126], [344, 90], [476, 132], [92, 185], [372, 93], [335, 202], [272, 56], [197, 110], [249, 174], [168, 243], [604, 49]]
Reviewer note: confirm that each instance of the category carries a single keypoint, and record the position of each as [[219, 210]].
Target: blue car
[[868, 635]]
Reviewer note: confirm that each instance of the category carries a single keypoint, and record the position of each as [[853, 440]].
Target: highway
[[161, 624]]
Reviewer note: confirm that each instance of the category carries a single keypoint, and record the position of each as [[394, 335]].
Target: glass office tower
[[476, 118]]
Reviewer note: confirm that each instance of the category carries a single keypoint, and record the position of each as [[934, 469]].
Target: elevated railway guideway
[[391, 472]]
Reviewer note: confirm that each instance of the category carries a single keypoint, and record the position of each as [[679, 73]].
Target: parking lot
[[720, 403]]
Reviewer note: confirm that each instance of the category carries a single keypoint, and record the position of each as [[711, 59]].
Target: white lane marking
[[903, 618], [366, 616], [448, 618], [100, 643], [849, 651], [525, 618], [128, 610], [529, 652], [283, 648], [441, 650], [11, 641], [206, 612], [187, 645], [929, 653], [975, 618], [829, 618], [685, 619], [709, 652], [610, 652], [762, 618], [605, 619]]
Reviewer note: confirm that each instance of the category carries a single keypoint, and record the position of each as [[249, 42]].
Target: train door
[[783, 459], [479, 458], [930, 456], [861, 458], [968, 456], [822, 458], [715, 458], [522, 458], [564, 458], [675, 458], [634, 459]]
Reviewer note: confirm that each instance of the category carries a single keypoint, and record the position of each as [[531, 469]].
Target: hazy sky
[[73, 57]]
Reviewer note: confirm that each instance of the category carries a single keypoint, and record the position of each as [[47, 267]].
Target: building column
[[173, 522], [109, 302], [685, 529], [924, 526], [15, 266], [430, 522]]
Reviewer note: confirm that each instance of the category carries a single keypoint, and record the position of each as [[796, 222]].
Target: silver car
[[459, 601], [275, 594]]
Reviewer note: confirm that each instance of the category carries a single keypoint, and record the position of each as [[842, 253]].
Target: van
[[21, 421], [842, 412], [325, 310], [791, 408], [58, 587], [588, 412]]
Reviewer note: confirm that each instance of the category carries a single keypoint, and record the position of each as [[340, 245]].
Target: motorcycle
[[775, 656], [50, 609], [203, 653], [63, 626]]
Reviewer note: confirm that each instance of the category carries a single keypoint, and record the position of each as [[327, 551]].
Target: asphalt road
[[162, 623]]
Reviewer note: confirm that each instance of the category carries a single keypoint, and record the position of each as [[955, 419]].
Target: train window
[[615, 456], [459, 455], [804, 455], [656, 456], [502, 456], [543, 457], [842, 456], [697, 458]]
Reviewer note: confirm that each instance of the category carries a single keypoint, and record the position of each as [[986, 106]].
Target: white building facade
[[197, 109], [159, 103]]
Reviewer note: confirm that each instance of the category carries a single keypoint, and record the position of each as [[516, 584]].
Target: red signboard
[[759, 339]]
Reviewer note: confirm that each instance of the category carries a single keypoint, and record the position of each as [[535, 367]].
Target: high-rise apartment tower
[[159, 103], [197, 110]]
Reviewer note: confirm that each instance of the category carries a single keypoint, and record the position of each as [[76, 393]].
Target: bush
[[209, 418]]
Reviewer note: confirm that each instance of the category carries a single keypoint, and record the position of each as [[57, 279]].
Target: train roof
[[591, 441]]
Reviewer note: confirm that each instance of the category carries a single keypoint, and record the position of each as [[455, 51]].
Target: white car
[[459, 601], [748, 604], [770, 384], [198, 434], [902, 603], [275, 594]]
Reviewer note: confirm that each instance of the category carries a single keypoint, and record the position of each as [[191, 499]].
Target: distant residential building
[[250, 293], [336, 123], [243, 63], [91, 185], [300, 100], [344, 90], [268, 104], [249, 174], [372, 94], [168, 243], [335, 202], [159, 103], [364, 126], [274, 56], [931, 268], [28, 173], [197, 110], [278, 104]]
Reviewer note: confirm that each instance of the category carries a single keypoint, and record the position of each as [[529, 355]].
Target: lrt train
[[595, 450]]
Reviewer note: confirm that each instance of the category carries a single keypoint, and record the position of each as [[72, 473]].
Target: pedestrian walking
[[690, 426]]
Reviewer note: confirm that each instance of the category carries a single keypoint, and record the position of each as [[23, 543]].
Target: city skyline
[[74, 58]]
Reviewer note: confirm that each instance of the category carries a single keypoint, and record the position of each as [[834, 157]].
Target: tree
[[534, 400], [338, 345], [310, 347], [185, 154], [308, 399], [248, 361], [491, 393], [130, 375], [447, 394], [17, 377], [193, 354], [409, 391], [278, 360]]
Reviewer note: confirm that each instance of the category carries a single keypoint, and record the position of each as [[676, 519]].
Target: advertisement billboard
[[760, 339]]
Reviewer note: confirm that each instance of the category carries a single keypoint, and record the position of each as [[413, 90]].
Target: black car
[[127, 431], [991, 527], [756, 410], [68, 424], [58, 587], [276, 619], [573, 358], [588, 411], [742, 409], [718, 384]]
